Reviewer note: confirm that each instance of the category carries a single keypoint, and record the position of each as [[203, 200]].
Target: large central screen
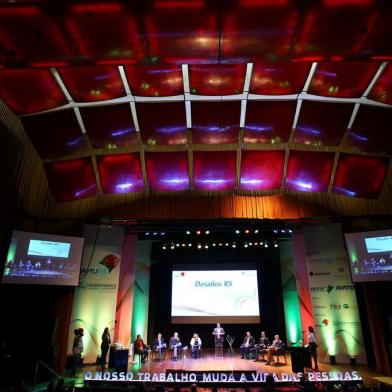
[[229, 296]]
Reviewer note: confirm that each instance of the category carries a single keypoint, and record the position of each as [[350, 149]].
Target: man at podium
[[219, 334]]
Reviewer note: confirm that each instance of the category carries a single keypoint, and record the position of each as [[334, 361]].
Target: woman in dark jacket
[[105, 346]]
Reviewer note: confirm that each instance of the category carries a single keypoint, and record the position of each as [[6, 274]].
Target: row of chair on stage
[[249, 349]]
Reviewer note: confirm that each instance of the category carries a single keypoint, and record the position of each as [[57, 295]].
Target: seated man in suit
[[159, 346], [140, 348], [276, 345], [247, 345], [195, 345], [263, 345], [174, 345]]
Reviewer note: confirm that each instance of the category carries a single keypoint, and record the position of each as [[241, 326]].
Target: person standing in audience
[[247, 345], [105, 344], [313, 346], [276, 345], [263, 344], [195, 346], [160, 345], [140, 348], [174, 345], [77, 349]]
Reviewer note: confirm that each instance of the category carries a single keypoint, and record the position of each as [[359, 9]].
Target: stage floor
[[208, 363]]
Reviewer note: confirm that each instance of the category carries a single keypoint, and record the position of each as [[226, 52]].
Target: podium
[[300, 358], [118, 359], [219, 339]]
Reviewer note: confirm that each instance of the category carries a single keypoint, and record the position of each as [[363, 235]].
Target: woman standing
[[105, 346], [313, 346]]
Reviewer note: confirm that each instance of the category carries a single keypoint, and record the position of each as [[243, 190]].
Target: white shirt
[[312, 338], [193, 341]]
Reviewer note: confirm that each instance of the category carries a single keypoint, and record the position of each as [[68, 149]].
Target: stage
[[209, 370]]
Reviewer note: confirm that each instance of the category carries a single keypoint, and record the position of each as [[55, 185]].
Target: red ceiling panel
[[360, 176], [162, 123], [258, 30], [71, 180], [120, 173], [377, 44], [54, 134], [30, 90], [105, 32], [89, 84], [167, 171], [154, 81], [109, 126], [30, 36], [182, 32], [309, 171], [217, 79], [334, 30], [372, 130], [214, 171], [279, 78], [215, 122], [261, 170], [342, 79], [269, 121], [382, 90], [322, 123]]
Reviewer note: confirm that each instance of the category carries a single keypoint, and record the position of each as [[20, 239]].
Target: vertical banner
[[301, 274], [95, 298], [290, 295], [335, 307], [142, 289], [126, 287]]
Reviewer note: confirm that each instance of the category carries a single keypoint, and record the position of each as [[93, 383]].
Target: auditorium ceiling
[[247, 97]]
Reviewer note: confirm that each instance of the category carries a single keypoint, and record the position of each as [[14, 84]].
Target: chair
[[154, 353], [139, 355], [281, 352]]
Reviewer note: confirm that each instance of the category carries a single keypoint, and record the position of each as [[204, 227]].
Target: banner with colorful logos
[[335, 309], [95, 298]]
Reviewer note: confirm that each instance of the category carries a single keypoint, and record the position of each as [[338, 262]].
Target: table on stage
[[118, 359]]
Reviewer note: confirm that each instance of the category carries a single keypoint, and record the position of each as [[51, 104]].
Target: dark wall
[[267, 263]]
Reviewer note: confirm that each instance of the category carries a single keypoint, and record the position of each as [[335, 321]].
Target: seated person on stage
[[218, 333], [174, 345], [276, 345], [247, 345], [195, 345], [140, 348], [159, 346], [263, 345]]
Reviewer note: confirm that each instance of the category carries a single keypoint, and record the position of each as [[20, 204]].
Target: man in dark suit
[[140, 348], [247, 345], [276, 345], [174, 345], [219, 334], [159, 345], [262, 345]]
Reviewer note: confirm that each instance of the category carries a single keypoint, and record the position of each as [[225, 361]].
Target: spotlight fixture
[[189, 244], [207, 232], [226, 244], [246, 231], [255, 244], [245, 245], [234, 245], [237, 232], [188, 232], [213, 244], [183, 245], [177, 245], [256, 231], [290, 231], [155, 233], [198, 246], [250, 243], [172, 246], [198, 232], [275, 244], [162, 233], [266, 245], [276, 231], [283, 231], [206, 246], [220, 244], [164, 247], [147, 233]]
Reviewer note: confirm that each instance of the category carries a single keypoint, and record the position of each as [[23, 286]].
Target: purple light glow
[[124, 187], [84, 190], [74, 142], [327, 73], [309, 130], [345, 191], [175, 183], [172, 129], [259, 128], [107, 76], [359, 137], [302, 185], [212, 128], [121, 132]]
